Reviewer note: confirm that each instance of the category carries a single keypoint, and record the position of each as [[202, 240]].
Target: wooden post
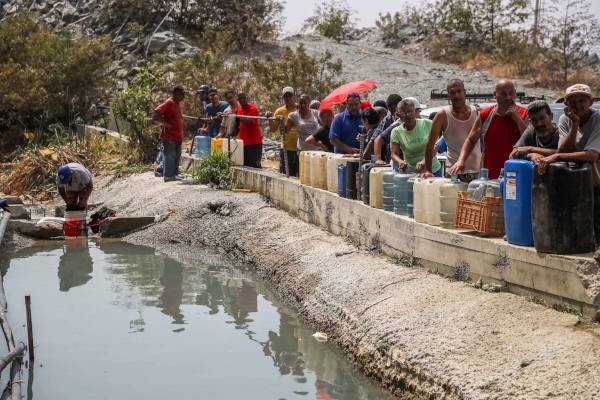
[[29, 327]]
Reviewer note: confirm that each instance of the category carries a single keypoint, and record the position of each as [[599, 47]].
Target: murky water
[[118, 321]]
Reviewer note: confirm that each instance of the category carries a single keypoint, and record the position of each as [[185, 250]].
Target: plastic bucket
[[75, 224]]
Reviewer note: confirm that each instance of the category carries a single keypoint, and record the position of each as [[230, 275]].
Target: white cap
[[578, 89], [417, 104], [287, 89]]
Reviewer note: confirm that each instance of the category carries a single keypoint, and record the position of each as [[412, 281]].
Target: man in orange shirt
[[249, 131], [169, 115]]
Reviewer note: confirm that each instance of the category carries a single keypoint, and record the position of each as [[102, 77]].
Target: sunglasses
[[353, 94], [212, 95]]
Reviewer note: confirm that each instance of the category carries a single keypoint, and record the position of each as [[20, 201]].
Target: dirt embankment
[[418, 333]]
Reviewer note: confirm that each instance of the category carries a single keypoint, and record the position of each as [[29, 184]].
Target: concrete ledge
[[120, 226], [30, 229], [558, 280], [115, 137]]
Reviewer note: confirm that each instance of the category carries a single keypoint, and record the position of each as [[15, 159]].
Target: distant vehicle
[[427, 112], [558, 108]]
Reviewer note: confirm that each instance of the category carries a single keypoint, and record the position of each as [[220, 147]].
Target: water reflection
[[75, 265], [143, 281]]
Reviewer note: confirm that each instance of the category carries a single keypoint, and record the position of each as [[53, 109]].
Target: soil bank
[[420, 334]]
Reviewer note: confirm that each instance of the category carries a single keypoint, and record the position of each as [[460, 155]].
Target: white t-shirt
[[80, 178], [588, 137]]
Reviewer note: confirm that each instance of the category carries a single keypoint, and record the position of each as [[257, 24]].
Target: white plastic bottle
[[478, 193], [489, 192]]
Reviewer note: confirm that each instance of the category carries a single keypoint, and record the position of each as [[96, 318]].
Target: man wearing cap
[[211, 111], [75, 185], [454, 122], [346, 126], [579, 142], [203, 93], [169, 115], [499, 126], [314, 104], [291, 137]]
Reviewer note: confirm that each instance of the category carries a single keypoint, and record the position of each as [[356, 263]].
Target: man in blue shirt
[[346, 127], [212, 109]]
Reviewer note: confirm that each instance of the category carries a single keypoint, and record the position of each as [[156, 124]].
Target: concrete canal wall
[[560, 281]]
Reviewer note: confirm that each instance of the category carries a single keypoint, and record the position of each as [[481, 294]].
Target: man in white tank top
[[455, 123]]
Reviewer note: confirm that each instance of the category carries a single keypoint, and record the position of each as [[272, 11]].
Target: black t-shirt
[[322, 136]]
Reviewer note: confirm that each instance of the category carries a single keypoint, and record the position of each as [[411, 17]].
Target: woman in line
[[411, 138], [306, 122], [321, 137]]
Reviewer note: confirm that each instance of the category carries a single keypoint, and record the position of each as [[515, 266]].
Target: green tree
[[572, 31], [134, 106], [333, 19]]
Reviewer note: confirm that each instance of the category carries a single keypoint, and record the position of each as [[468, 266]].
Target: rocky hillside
[[398, 65]]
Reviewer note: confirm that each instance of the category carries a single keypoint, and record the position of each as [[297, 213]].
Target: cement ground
[[421, 335]]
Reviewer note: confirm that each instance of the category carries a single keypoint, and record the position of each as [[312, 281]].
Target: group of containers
[[552, 212], [204, 144]]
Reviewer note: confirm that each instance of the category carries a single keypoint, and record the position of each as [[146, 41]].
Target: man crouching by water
[[75, 186]]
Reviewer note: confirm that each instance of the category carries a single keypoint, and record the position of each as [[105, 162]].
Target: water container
[[496, 184], [332, 171], [364, 180], [401, 191], [202, 144], [323, 168], [351, 173], [388, 190], [316, 173], [483, 180], [448, 199], [563, 210], [342, 180], [236, 148], [420, 208], [376, 186], [217, 144], [306, 167], [432, 200], [517, 202], [301, 166], [410, 199], [75, 224]]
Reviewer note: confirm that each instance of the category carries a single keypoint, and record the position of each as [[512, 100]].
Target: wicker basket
[[485, 216]]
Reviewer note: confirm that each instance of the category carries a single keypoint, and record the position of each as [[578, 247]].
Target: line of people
[[394, 131]]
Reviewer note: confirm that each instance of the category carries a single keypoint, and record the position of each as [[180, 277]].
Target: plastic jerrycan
[[401, 191], [448, 199], [376, 186], [388, 189], [217, 144], [337, 161], [301, 166], [365, 181], [323, 170], [306, 169], [517, 202], [483, 179], [236, 148], [410, 198], [563, 206], [342, 180], [332, 172], [351, 174], [420, 208], [432, 200], [203, 144], [316, 175]]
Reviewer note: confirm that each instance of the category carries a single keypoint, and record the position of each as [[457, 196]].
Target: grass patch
[[215, 169], [406, 260]]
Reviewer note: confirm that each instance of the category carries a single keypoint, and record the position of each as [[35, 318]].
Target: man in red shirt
[[500, 128], [169, 115], [249, 132]]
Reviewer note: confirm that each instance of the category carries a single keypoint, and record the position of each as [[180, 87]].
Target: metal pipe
[[285, 154], [3, 224], [240, 116], [29, 326]]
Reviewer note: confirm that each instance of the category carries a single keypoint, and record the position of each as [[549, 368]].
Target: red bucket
[[75, 228]]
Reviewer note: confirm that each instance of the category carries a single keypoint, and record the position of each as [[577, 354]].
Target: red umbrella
[[340, 94]]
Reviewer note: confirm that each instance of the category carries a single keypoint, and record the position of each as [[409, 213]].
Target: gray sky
[[368, 11]]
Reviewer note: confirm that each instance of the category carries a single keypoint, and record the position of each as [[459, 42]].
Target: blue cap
[[64, 175]]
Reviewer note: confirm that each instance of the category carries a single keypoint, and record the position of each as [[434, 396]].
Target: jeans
[[292, 162], [172, 156]]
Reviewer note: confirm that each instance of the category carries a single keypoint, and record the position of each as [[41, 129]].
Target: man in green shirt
[[411, 137]]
